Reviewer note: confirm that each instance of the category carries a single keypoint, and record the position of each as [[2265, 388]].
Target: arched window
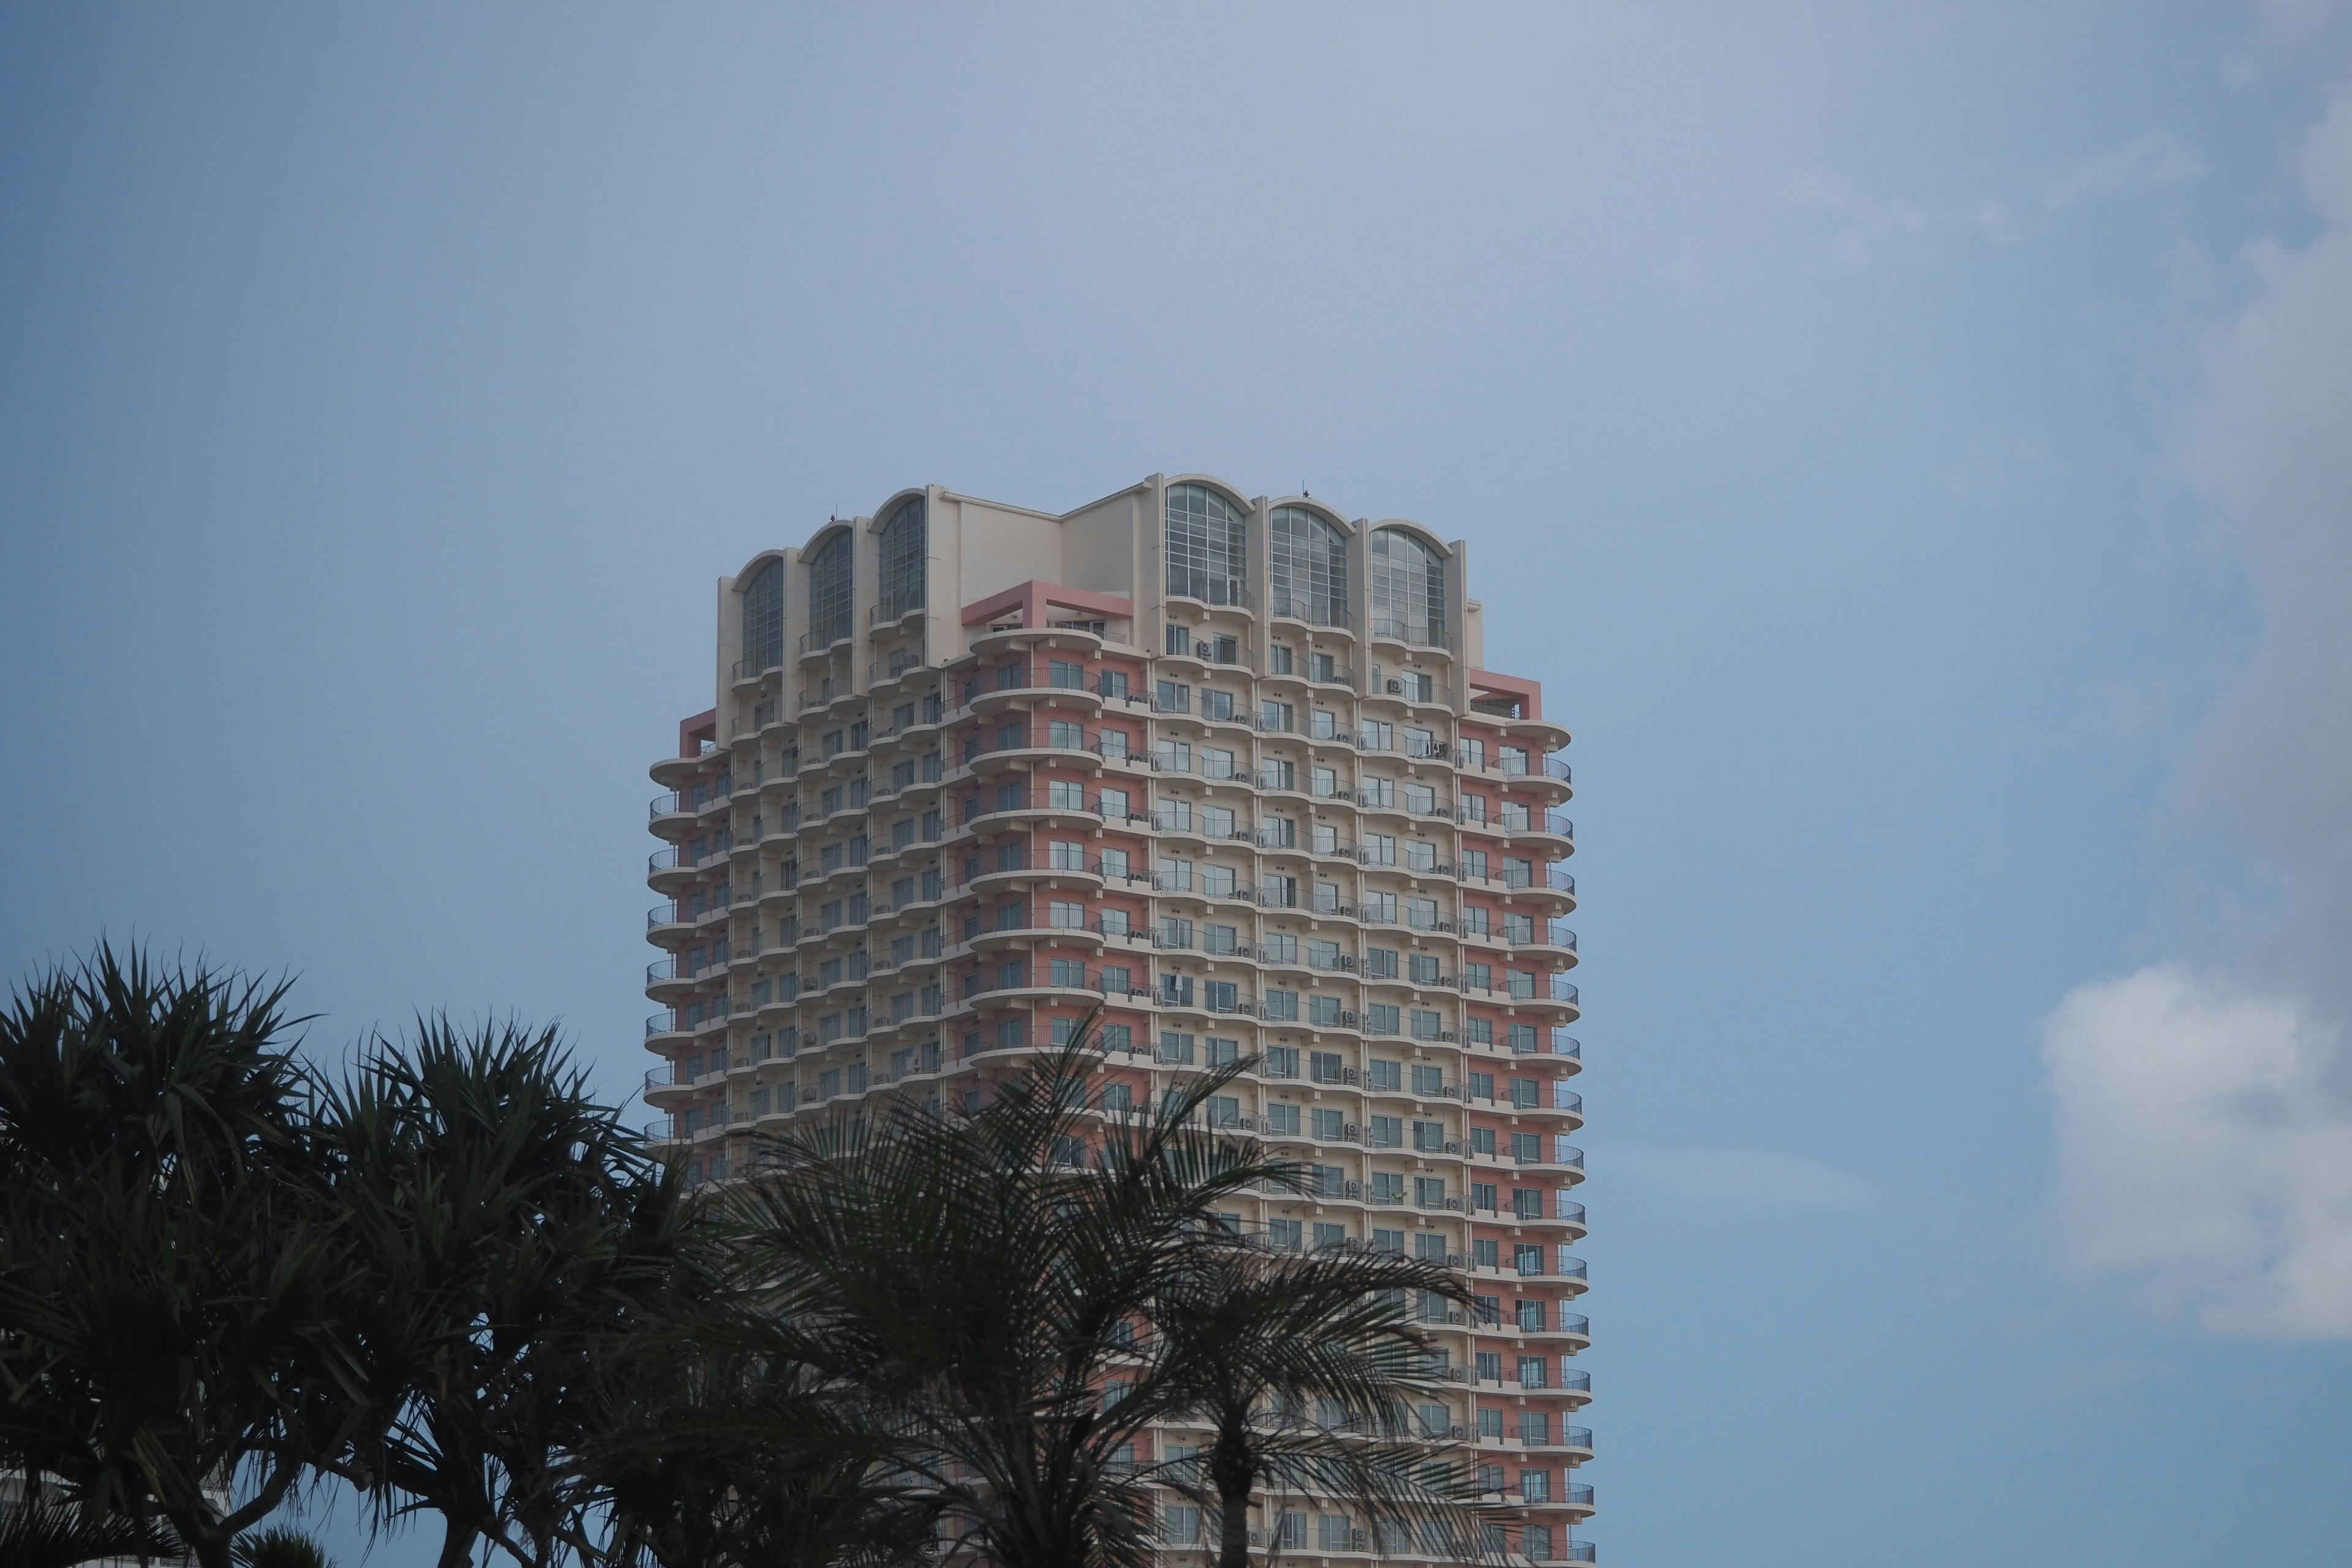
[[904, 545], [1208, 546], [763, 618], [1408, 588], [829, 590], [1308, 570]]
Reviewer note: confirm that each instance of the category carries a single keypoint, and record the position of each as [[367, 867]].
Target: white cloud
[[1745, 1178], [2273, 446], [1862, 229], [2152, 158], [2204, 1118], [2205, 1150]]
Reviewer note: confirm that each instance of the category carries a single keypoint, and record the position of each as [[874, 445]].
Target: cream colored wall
[[1004, 548], [1099, 545], [730, 637]]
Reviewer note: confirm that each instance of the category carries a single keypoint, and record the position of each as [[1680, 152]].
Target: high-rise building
[[1230, 768]]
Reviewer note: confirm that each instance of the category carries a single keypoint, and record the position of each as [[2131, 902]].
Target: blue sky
[[1912, 444]]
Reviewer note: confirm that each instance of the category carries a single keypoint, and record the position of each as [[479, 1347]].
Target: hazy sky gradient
[[1908, 441]]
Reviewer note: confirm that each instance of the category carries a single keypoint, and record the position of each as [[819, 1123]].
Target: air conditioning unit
[[1396, 687]]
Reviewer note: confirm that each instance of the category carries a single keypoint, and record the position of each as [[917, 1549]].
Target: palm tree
[[512, 1233], [713, 1456], [987, 1279], [56, 1536], [1252, 1340], [167, 1277]]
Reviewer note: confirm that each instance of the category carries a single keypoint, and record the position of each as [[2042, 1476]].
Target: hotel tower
[[1233, 770]]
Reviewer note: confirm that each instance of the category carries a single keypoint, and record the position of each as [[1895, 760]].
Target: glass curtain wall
[[1408, 589], [904, 547], [764, 619], [1208, 546], [829, 590], [1309, 569]]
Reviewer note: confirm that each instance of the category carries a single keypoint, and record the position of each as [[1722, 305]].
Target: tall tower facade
[[1230, 768]]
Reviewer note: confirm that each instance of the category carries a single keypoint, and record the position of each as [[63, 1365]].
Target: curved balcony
[[1558, 998], [1011, 805], [1553, 941], [816, 644], [672, 868], [1551, 832], [892, 609], [672, 773], [1207, 590], [675, 919], [1011, 924], [1402, 633], [991, 642], [1549, 781], [1036, 746], [752, 669], [1021, 685], [1306, 609], [659, 1081], [672, 1026], [883, 673], [668, 979]]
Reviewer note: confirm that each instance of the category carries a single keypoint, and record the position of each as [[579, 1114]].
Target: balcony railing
[[1208, 588], [891, 669], [1017, 797], [1314, 611], [893, 606], [825, 636], [1052, 675], [1418, 633], [1043, 738]]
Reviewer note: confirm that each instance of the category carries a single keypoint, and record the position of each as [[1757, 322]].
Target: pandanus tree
[[169, 1273], [987, 1280], [60, 1535], [512, 1237]]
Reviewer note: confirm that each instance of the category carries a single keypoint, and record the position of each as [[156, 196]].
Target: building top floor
[[936, 575]]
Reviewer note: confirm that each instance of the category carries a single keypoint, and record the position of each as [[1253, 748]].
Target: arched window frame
[[829, 590], [763, 617], [1307, 566], [1409, 587], [905, 542], [1205, 539]]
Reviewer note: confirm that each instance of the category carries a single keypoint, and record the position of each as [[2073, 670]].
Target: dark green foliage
[[55, 1535], [281, 1548], [456, 1282], [973, 1279], [168, 1273], [1256, 1341], [512, 1235]]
